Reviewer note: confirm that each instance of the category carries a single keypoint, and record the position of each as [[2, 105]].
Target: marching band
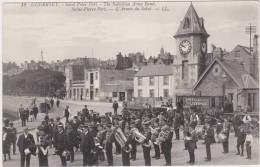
[[94, 135]]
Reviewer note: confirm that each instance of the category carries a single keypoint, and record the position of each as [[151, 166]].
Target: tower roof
[[191, 24]]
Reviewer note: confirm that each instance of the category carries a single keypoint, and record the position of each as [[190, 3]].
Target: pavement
[[179, 156]]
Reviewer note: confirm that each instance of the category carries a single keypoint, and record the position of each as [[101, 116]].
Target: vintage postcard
[[130, 83]]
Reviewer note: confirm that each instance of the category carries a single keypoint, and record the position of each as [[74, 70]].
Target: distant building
[[154, 81], [228, 79]]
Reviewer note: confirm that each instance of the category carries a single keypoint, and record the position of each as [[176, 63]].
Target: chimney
[[254, 66], [218, 53]]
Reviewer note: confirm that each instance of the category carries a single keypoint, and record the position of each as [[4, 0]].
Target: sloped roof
[[155, 70], [235, 70], [245, 48], [196, 24]]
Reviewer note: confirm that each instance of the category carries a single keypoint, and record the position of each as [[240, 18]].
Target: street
[[179, 156]]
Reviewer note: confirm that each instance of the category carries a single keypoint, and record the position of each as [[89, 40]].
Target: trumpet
[[139, 137], [121, 139]]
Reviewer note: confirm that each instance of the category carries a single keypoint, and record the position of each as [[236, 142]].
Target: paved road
[[179, 156]]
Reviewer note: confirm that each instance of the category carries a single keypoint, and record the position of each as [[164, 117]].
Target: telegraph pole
[[249, 30], [42, 58]]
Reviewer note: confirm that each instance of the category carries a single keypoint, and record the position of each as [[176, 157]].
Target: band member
[[118, 147], [115, 107], [125, 154], [61, 144], [192, 139], [146, 150], [42, 147], [165, 137], [67, 113], [185, 131], [12, 133], [249, 142], [218, 128], [100, 137], [6, 143], [209, 138], [24, 142], [241, 137], [87, 145], [236, 123], [71, 139], [225, 131], [51, 131], [154, 139], [109, 139], [133, 142], [193, 119], [177, 123]]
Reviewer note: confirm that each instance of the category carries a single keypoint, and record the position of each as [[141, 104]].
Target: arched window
[[186, 23]]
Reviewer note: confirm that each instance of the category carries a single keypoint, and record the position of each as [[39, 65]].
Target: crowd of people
[[94, 135]]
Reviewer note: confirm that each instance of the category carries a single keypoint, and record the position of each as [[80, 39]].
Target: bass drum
[[200, 131], [222, 137]]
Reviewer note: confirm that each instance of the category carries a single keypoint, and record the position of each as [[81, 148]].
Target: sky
[[65, 34]]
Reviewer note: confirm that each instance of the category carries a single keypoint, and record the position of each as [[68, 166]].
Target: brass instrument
[[98, 138], [154, 135], [121, 139], [139, 137], [200, 131]]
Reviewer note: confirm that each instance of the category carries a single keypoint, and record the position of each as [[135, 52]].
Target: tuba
[[139, 137], [121, 139]]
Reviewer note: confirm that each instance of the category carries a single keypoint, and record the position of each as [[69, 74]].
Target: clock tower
[[191, 49]]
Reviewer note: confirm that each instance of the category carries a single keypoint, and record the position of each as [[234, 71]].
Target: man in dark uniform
[[146, 150], [87, 145], [84, 113], [177, 123], [125, 148], [109, 139], [236, 123], [133, 143], [55, 130], [155, 142], [115, 107], [61, 143], [51, 130], [67, 113], [225, 131], [192, 139], [12, 134], [118, 147], [209, 138], [241, 137], [42, 147], [24, 142], [35, 111], [71, 139], [167, 143]]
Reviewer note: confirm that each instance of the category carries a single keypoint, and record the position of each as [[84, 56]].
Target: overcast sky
[[61, 33]]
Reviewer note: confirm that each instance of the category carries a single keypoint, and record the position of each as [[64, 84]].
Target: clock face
[[204, 47], [185, 47]]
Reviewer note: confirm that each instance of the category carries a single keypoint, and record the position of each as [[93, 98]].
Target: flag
[[213, 47]]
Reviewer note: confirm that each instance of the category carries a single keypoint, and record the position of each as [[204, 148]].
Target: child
[[31, 118], [249, 141]]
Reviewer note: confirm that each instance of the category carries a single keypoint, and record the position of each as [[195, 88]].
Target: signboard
[[195, 101]]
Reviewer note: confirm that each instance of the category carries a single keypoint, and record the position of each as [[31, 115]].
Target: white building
[[154, 81]]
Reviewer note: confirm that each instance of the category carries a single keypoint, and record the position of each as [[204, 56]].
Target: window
[[114, 94], [96, 75], [87, 94], [74, 92], [165, 93], [96, 92], [151, 93], [216, 70], [86, 76], [166, 80], [251, 101], [140, 81], [151, 81], [185, 70], [230, 97], [186, 23], [140, 93], [237, 53]]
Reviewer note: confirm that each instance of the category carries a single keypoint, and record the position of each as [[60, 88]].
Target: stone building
[[228, 80], [191, 50]]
